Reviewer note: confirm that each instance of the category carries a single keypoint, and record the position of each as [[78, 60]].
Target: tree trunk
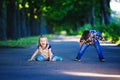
[[105, 11], [18, 28], [23, 23], [3, 35], [92, 16], [32, 25], [11, 20], [43, 25], [28, 24]]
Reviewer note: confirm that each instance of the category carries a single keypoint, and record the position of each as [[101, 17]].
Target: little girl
[[44, 51]]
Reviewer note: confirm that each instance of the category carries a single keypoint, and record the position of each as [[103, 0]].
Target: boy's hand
[[81, 44], [103, 39]]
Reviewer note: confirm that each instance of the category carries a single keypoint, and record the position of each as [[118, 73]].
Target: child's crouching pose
[[44, 51], [89, 38]]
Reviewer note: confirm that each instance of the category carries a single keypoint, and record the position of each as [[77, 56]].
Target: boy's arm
[[81, 43], [34, 54], [99, 35]]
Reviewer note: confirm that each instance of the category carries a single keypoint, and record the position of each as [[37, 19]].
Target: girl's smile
[[43, 42]]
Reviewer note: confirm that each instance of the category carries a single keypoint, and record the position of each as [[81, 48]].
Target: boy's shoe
[[76, 59], [102, 59]]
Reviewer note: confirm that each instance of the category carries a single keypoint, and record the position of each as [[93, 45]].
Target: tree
[[106, 10], [33, 17], [3, 35], [11, 20]]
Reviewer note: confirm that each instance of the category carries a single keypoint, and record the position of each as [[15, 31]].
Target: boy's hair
[[42, 36], [86, 34]]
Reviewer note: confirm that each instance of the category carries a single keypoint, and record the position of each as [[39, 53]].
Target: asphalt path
[[14, 63]]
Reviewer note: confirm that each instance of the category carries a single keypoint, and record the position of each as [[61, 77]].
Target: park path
[[14, 64]]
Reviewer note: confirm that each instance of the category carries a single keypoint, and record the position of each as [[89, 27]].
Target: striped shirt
[[44, 52]]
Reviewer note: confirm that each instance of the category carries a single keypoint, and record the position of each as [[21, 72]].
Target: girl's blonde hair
[[42, 36]]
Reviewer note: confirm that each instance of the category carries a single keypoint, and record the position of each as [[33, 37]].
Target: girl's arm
[[50, 54], [34, 54]]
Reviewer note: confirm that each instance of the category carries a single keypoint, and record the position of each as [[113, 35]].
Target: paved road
[[14, 64]]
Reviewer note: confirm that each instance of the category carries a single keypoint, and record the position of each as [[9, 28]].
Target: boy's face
[[43, 41], [89, 37]]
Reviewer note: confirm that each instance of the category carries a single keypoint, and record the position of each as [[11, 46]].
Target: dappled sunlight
[[107, 43], [77, 38], [89, 74], [63, 38]]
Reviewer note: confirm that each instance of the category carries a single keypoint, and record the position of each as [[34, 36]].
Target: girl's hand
[[29, 60], [51, 60]]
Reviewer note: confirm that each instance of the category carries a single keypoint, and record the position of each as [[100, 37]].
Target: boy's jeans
[[85, 46]]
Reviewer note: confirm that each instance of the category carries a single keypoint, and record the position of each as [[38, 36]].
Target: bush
[[85, 27], [111, 32], [22, 42]]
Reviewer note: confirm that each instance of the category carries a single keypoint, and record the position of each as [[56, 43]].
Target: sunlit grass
[[22, 42]]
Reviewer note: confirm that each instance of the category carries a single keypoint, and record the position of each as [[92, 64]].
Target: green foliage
[[56, 15], [22, 43], [85, 27], [59, 10], [111, 32], [60, 15]]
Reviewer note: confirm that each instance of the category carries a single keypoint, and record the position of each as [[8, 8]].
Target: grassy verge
[[22, 42]]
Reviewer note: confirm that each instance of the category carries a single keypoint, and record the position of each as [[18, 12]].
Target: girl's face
[[43, 42]]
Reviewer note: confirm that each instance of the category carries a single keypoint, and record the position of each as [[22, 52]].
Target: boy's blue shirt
[[94, 35]]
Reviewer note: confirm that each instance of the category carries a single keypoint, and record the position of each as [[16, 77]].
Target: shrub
[[111, 32]]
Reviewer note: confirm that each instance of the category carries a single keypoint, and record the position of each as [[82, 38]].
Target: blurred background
[[21, 19]]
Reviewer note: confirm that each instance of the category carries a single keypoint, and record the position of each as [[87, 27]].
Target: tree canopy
[[22, 18]]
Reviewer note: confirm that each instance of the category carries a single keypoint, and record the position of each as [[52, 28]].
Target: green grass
[[22, 42]]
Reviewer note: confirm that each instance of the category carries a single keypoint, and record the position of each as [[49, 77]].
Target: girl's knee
[[40, 58], [57, 58]]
